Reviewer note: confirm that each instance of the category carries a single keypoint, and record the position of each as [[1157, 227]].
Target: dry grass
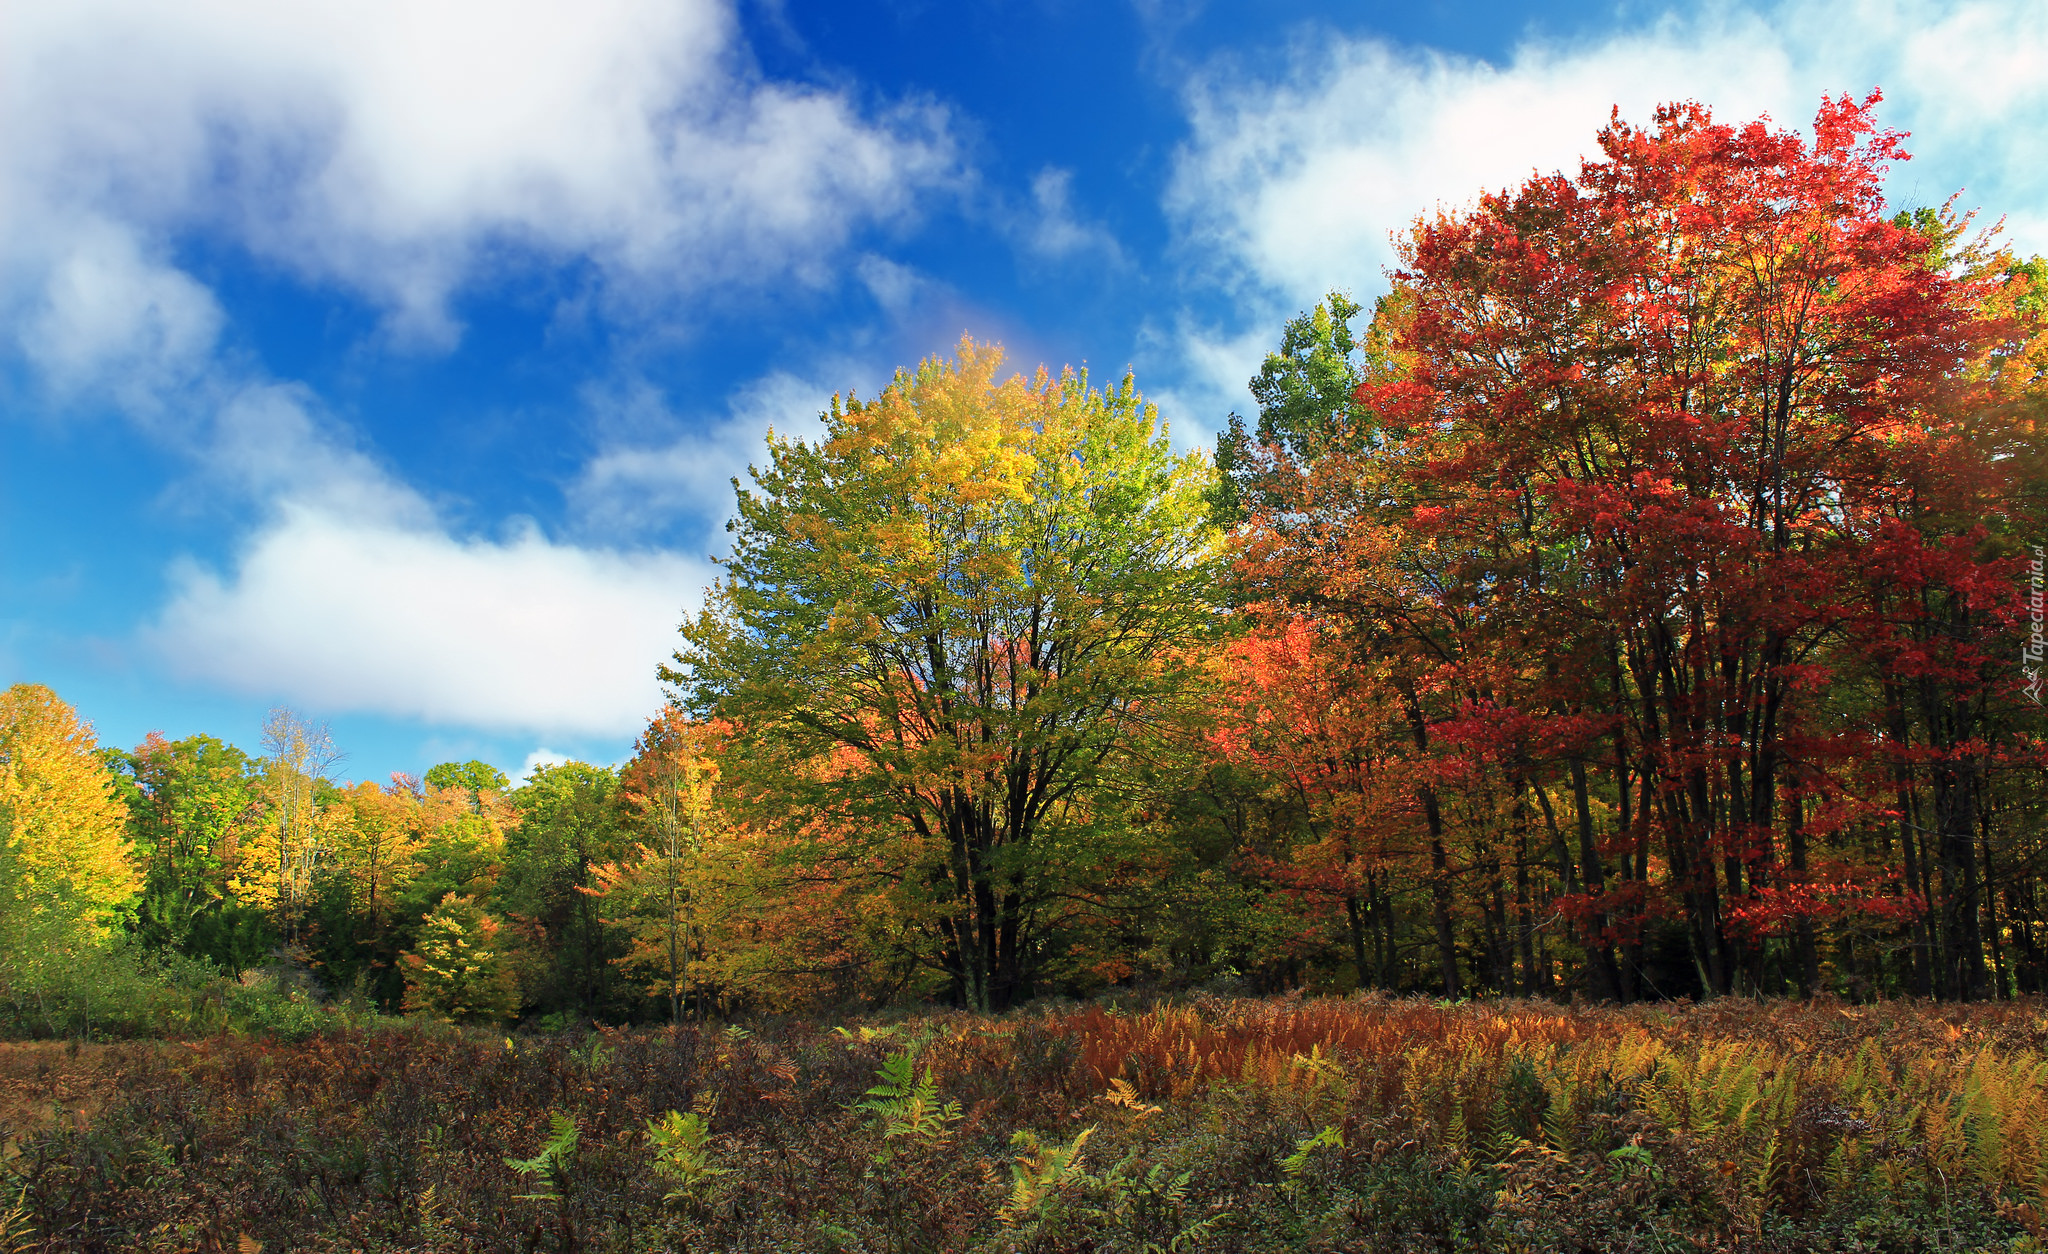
[[46, 1082], [1222, 1125]]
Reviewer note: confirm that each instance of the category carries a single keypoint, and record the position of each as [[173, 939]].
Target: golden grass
[[1784, 1101]]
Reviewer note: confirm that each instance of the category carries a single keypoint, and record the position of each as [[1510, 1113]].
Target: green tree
[[1305, 390], [1304, 393], [451, 848], [947, 630], [193, 803], [472, 776], [569, 822]]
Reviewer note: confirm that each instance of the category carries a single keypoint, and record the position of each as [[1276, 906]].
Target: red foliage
[[1675, 464]]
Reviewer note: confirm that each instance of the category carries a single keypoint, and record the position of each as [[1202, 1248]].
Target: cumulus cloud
[[399, 151], [346, 614], [354, 595], [1296, 182], [393, 148]]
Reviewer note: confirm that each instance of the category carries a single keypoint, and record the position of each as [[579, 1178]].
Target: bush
[[116, 989], [124, 990]]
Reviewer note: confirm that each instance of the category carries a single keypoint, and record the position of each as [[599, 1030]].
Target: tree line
[[1641, 600]]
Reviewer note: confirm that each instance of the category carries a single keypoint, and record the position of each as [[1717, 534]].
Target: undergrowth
[[125, 991], [1219, 1125]]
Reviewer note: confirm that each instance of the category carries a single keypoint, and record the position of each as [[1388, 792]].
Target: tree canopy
[[948, 626]]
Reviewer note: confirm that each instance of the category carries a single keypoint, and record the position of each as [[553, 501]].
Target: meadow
[[1202, 1124]]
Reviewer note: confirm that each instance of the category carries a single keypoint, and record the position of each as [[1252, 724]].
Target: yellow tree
[[64, 865], [277, 867], [457, 971], [373, 836], [744, 916]]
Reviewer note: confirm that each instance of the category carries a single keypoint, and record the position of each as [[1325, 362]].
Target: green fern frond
[[1038, 1175], [556, 1156], [1296, 1162], [906, 1102], [682, 1154]]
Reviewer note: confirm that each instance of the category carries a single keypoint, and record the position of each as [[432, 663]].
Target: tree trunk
[[1606, 977], [1805, 960]]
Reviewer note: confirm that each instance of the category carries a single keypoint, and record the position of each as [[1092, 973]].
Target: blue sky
[[390, 360]]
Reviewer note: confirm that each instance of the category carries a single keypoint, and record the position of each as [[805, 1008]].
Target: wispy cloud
[[647, 488], [112, 320], [1052, 229]]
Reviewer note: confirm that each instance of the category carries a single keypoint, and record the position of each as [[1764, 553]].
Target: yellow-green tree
[[64, 865], [728, 914], [193, 805], [952, 625], [457, 970], [372, 837], [669, 788]]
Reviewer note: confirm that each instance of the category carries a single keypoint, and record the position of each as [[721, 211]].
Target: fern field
[[1212, 1125]]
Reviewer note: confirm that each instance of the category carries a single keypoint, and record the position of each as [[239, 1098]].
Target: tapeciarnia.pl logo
[[2037, 642]]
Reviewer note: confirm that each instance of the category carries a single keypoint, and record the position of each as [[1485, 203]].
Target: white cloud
[[107, 315], [268, 441], [1301, 183], [353, 595], [1296, 183], [395, 148], [637, 489], [1214, 365], [893, 285], [1052, 231], [348, 614], [398, 151]]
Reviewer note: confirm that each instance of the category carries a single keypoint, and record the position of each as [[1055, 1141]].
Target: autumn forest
[[1640, 603]]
